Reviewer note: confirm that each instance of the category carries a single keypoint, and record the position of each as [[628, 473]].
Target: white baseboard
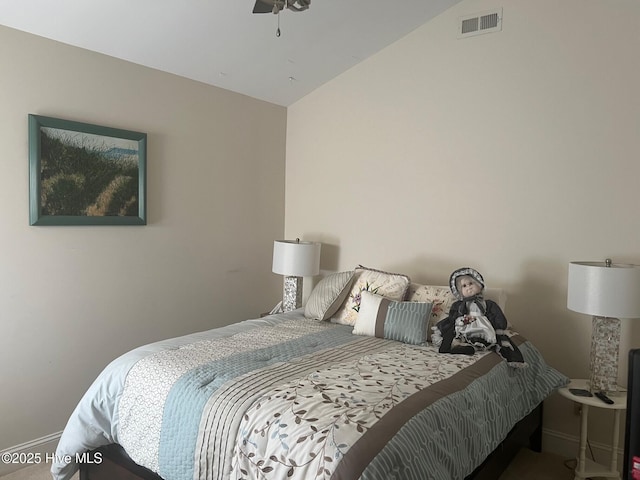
[[568, 445], [40, 450]]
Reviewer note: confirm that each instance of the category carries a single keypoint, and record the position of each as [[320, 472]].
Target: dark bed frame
[[115, 464]]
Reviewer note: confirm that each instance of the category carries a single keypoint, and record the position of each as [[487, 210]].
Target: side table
[[587, 468]]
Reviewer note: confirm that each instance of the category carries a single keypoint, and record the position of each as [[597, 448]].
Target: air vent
[[479, 23]]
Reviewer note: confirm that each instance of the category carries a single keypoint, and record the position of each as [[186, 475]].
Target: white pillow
[[401, 321]]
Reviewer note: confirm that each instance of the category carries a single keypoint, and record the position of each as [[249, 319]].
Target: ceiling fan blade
[[263, 6]]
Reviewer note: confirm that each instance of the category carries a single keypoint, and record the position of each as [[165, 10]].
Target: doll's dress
[[474, 328]]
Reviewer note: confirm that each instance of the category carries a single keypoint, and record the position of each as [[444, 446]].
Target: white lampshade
[[605, 291], [296, 259]]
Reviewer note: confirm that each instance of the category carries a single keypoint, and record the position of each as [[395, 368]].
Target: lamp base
[[292, 293], [605, 348]]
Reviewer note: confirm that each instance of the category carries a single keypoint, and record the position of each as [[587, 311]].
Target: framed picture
[[83, 174]]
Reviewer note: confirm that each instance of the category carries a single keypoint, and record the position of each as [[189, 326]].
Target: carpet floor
[[527, 465]]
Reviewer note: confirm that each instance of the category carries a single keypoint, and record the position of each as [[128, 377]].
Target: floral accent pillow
[[393, 286], [440, 297]]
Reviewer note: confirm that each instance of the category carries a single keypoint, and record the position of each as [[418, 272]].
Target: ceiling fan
[[275, 6]]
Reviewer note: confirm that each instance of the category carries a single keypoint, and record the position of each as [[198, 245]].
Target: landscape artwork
[[83, 174]]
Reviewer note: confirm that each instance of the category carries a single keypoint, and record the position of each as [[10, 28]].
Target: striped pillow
[[401, 321], [328, 296]]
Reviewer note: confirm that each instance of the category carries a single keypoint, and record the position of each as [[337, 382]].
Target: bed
[[293, 397]]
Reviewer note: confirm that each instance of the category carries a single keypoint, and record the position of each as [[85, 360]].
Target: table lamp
[[295, 259], [607, 291]]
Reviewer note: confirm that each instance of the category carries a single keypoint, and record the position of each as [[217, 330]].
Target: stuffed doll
[[473, 322]]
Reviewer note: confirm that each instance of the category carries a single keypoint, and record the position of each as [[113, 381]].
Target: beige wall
[[514, 152], [73, 298]]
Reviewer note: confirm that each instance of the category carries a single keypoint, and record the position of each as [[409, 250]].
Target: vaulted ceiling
[[223, 43]]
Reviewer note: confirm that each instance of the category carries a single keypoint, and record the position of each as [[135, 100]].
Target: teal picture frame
[[85, 174]]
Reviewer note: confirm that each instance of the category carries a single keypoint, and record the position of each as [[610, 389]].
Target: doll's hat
[[463, 272]]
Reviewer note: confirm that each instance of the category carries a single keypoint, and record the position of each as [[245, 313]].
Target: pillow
[[328, 295], [390, 285], [401, 321], [442, 299]]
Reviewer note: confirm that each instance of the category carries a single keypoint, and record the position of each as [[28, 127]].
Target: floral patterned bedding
[[299, 399]]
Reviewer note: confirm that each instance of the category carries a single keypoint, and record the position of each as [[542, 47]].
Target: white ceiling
[[222, 43]]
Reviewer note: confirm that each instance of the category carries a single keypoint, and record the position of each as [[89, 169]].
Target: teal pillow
[[401, 321]]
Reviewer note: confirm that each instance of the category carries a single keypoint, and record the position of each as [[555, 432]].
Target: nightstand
[[587, 468]]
